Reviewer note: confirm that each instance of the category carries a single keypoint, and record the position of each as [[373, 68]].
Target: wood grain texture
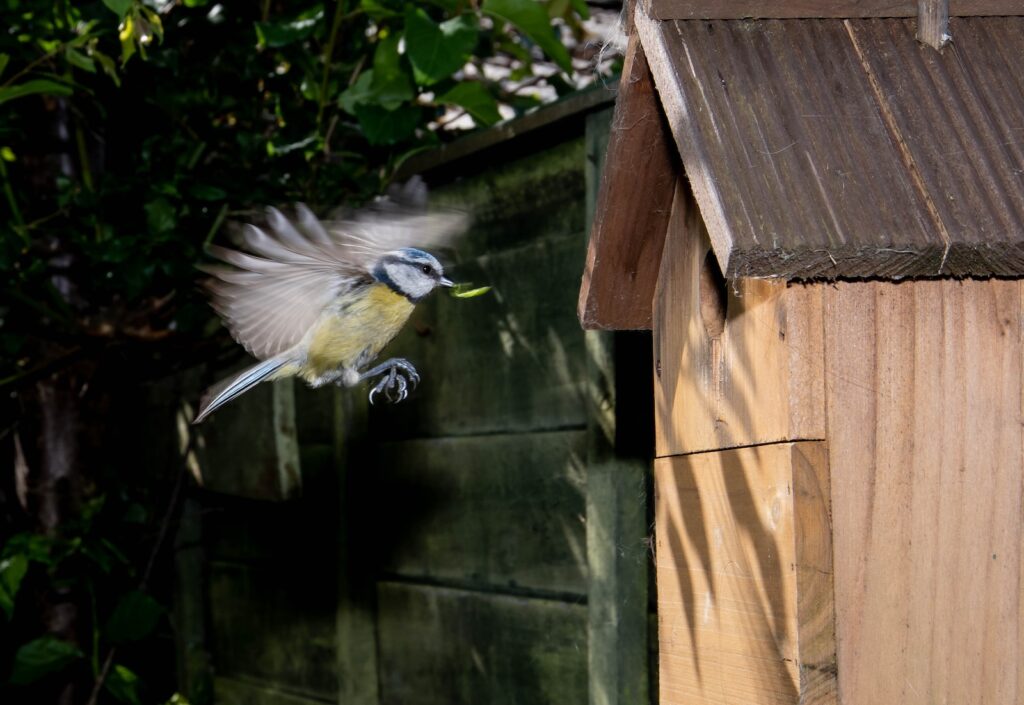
[[744, 565], [759, 380], [618, 506], [239, 691], [512, 360], [250, 448], [618, 469], [933, 22], [925, 448], [451, 647], [633, 206], [492, 512], [741, 9], [851, 174], [275, 624]]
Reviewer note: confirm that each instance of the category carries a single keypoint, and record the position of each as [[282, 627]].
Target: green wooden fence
[[483, 542]]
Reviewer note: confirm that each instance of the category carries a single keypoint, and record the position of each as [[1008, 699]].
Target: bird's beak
[[443, 281]]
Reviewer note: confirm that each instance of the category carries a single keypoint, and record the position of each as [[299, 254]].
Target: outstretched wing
[[367, 235], [274, 292]]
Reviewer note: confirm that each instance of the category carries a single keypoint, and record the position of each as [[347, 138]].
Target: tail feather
[[224, 391]]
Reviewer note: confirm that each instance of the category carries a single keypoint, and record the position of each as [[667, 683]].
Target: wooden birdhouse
[[818, 209]]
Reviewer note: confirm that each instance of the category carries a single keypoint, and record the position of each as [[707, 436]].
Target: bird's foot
[[399, 376]]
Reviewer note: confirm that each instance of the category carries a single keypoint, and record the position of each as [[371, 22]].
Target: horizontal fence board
[[451, 647], [276, 624], [246, 531], [510, 360], [497, 511], [516, 203]]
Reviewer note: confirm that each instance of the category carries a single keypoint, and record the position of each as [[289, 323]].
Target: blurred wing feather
[[272, 294]]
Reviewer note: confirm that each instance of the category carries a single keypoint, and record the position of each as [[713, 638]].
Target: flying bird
[[320, 300]]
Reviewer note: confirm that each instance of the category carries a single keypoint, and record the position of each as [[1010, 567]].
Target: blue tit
[[320, 300]]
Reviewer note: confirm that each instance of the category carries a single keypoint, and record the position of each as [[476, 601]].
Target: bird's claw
[[395, 383]]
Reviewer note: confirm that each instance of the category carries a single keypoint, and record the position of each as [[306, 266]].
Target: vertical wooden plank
[[925, 447], [356, 615], [616, 507], [933, 22], [195, 675], [745, 597], [737, 362], [250, 447], [633, 206]]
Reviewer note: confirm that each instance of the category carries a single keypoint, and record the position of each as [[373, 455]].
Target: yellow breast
[[354, 332]]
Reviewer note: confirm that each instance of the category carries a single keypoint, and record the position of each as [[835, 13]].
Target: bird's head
[[410, 272]]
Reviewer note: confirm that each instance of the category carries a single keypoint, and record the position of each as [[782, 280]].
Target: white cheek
[[410, 281]]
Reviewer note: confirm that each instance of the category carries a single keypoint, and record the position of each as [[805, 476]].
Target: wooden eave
[[815, 149]]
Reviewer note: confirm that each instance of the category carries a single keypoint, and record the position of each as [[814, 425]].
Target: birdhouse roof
[[829, 148]]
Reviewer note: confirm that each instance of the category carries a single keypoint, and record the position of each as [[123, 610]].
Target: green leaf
[[134, 618], [118, 7], [77, 58], [160, 215], [475, 99], [391, 85], [582, 9], [377, 10], [279, 34], [358, 93], [42, 657], [108, 66], [4, 58], [437, 50], [123, 685], [12, 570], [383, 126], [466, 291], [205, 192], [7, 154], [532, 20], [40, 85]]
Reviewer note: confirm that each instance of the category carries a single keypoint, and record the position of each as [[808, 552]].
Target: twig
[[221, 214], [19, 226], [339, 15]]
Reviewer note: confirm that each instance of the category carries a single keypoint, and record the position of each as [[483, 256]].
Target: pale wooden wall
[[912, 393]]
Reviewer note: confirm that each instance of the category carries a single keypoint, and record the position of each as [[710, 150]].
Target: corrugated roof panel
[[844, 148]]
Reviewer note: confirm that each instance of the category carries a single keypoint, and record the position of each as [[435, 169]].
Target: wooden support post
[[617, 506], [933, 22], [195, 672], [356, 632]]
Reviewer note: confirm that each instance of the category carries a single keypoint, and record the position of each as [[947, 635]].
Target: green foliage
[[123, 685], [133, 130], [84, 559], [41, 657], [437, 50], [530, 17], [134, 618], [12, 571], [476, 100]]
